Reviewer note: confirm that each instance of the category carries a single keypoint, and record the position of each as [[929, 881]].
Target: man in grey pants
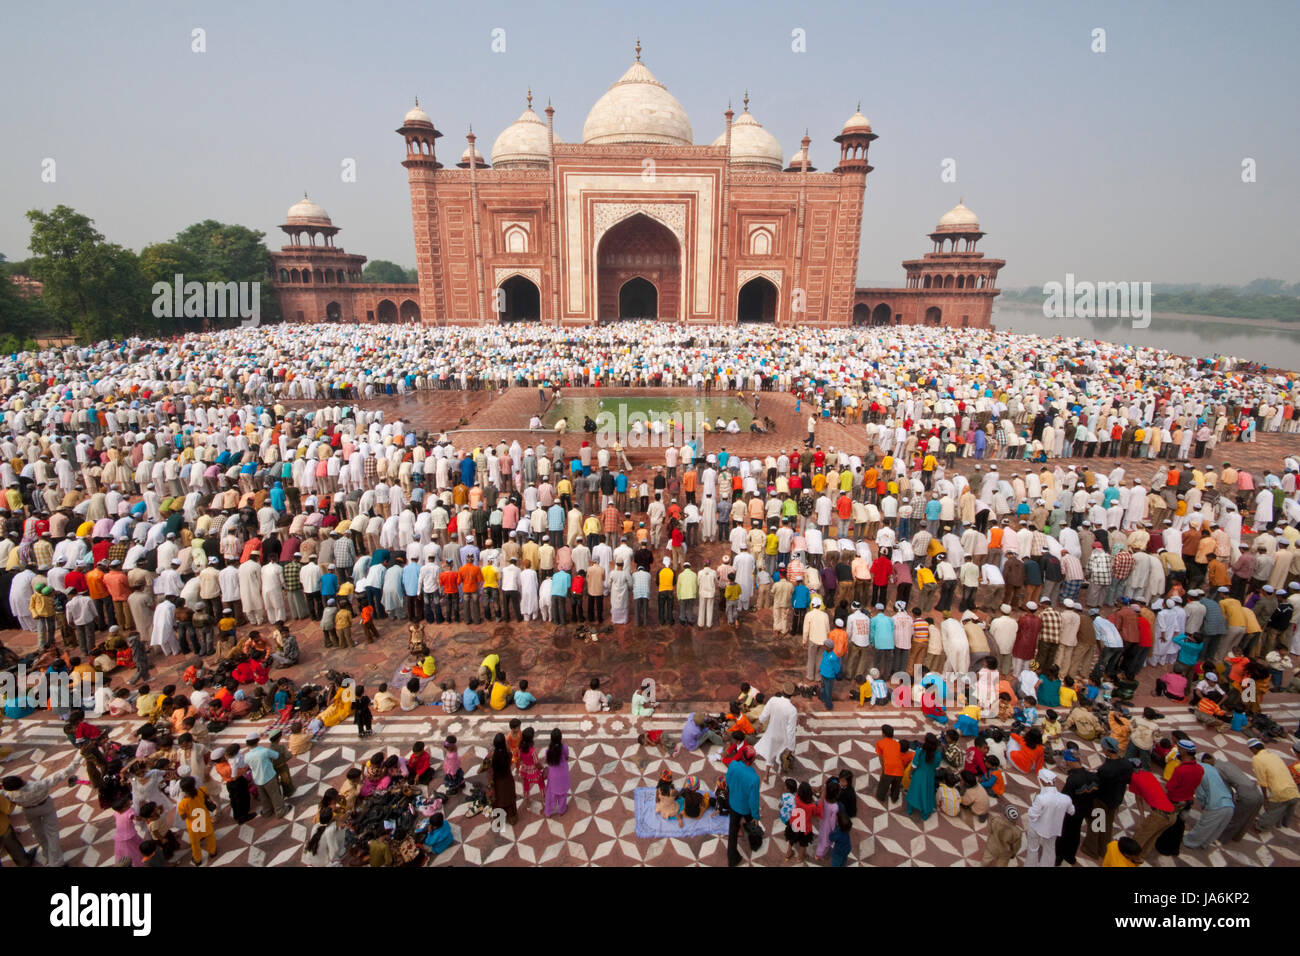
[[1246, 793], [34, 797]]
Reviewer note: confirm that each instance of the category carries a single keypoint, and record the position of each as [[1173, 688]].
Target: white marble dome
[[637, 109], [523, 141], [796, 162], [856, 122], [416, 115], [304, 210], [751, 144], [959, 218]]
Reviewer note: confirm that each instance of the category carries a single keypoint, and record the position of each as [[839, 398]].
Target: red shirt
[[1184, 781], [1147, 786]]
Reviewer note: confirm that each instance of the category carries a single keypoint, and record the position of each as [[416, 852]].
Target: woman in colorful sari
[[501, 779], [920, 792], [557, 775], [340, 706]]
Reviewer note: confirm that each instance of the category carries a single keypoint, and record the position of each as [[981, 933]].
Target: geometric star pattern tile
[[606, 765]]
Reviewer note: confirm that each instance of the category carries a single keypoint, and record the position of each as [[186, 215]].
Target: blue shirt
[[742, 789], [329, 584], [411, 579], [882, 632], [261, 762], [524, 700], [439, 839], [1212, 791], [801, 596], [555, 518], [1189, 650], [830, 666], [560, 584], [469, 699]]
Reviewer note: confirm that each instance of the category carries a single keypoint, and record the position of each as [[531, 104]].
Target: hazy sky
[[1122, 165]]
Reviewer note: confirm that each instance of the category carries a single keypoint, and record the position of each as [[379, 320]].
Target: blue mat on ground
[[650, 824]]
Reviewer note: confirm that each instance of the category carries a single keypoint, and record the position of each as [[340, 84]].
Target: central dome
[[637, 109]]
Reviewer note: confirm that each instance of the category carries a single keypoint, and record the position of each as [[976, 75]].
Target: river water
[[1178, 334]]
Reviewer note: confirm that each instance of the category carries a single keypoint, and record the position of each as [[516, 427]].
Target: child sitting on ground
[[995, 782], [948, 798], [872, 690], [1051, 731], [974, 797], [523, 699], [1006, 709], [1027, 713], [453, 776], [654, 738], [720, 802], [666, 803]]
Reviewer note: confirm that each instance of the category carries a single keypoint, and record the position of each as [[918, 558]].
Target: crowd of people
[[1018, 531]]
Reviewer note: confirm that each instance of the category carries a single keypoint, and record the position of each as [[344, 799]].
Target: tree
[[383, 272], [92, 286], [223, 252]]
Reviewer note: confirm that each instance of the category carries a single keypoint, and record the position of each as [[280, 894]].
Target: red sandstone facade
[[316, 281], [636, 221]]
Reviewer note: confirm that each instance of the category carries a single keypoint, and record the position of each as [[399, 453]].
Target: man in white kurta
[[780, 723]]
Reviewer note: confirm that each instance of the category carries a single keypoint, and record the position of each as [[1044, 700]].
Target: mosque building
[[637, 221]]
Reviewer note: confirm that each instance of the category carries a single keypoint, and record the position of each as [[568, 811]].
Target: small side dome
[[796, 162], [305, 211], [751, 144], [416, 116], [523, 142], [478, 160], [959, 219], [857, 123]]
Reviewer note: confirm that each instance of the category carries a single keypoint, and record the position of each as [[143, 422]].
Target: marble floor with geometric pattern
[[598, 827]]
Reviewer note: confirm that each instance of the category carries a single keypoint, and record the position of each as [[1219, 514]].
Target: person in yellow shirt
[[1279, 787], [193, 810], [666, 578], [1125, 851]]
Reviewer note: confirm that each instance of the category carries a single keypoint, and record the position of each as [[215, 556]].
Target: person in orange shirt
[[1027, 752], [99, 594], [839, 639], [892, 764], [471, 579], [449, 582]]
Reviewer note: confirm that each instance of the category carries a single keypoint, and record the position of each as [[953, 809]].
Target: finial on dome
[[530, 97], [746, 101], [417, 101], [304, 194], [859, 106], [638, 49], [960, 201]]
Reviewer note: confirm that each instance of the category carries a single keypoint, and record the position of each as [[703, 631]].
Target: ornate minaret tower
[[421, 168]]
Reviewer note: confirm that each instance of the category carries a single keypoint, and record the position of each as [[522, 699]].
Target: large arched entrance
[[882, 314], [333, 312], [520, 301], [756, 301], [639, 248], [862, 314], [933, 316], [638, 299], [410, 312], [386, 311]]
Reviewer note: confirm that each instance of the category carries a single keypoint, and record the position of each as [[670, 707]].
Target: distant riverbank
[[1268, 341]]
